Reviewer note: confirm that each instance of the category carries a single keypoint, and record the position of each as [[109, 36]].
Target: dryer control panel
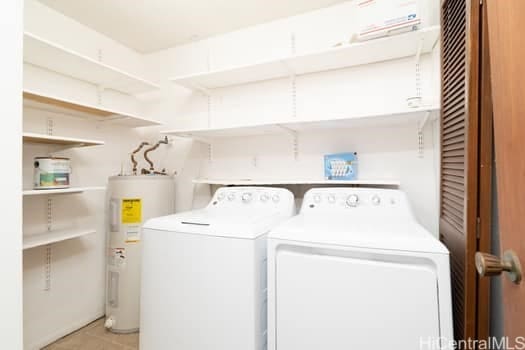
[[358, 200], [252, 197]]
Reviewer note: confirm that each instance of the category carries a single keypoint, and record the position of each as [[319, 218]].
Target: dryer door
[[341, 301]]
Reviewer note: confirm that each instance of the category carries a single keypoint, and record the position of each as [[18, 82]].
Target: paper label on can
[[117, 257], [131, 211], [132, 234]]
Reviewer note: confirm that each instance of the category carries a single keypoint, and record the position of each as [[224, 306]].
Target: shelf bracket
[[419, 49], [423, 121], [197, 87], [420, 137], [295, 139]]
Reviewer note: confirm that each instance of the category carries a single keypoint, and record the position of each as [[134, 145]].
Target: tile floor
[[95, 337]]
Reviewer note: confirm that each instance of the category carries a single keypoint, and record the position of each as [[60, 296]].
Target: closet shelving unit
[[56, 58], [411, 44], [53, 236]]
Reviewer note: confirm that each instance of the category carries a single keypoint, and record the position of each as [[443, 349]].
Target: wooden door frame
[[473, 293], [472, 163], [485, 193]]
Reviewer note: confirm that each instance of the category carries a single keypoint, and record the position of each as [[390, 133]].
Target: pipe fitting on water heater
[[110, 321]]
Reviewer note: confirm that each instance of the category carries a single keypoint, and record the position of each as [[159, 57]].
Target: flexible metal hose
[[154, 147], [133, 160]]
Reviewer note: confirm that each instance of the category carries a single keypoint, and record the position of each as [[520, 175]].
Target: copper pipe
[[133, 160], [151, 167]]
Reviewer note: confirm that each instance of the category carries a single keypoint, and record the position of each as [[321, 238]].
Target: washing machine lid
[[236, 212], [394, 234], [234, 224]]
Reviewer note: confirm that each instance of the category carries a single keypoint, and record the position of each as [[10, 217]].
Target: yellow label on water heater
[[131, 211]]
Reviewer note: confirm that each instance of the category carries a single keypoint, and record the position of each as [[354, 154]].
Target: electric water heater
[[131, 201]]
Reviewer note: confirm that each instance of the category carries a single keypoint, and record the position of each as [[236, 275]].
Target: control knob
[[231, 196], [276, 198], [246, 197], [352, 200], [376, 200], [264, 197]]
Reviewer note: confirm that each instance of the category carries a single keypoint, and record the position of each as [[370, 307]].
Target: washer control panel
[[355, 199], [249, 197]]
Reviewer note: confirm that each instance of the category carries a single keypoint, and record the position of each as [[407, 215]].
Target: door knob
[[490, 265]]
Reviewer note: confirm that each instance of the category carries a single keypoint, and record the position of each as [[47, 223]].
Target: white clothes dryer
[[354, 270]]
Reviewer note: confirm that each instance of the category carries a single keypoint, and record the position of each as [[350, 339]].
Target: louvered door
[[460, 156]]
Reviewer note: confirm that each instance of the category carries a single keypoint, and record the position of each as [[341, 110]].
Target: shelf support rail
[[47, 258], [100, 93], [420, 137], [295, 139], [418, 67]]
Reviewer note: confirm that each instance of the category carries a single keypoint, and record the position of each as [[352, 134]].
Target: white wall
[[11, 205], [385, 151]]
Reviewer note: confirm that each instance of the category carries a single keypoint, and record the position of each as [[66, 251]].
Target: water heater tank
[[132, 201]]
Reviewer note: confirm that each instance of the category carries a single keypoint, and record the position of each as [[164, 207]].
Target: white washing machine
[[204, 283], [354, 270]]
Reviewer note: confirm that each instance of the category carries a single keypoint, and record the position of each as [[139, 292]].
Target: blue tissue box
[[340, 166]]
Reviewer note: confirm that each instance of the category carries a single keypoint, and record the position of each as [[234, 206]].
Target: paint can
[[51, 172]]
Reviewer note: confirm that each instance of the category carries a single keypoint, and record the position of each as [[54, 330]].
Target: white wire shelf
[[57, 191], [345, 56], [54, 57], [37, 240], [261, 182], [48, 102], [36, 138], [407, 115]]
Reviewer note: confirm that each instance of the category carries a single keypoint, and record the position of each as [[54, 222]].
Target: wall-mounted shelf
[[70, 190], [378, 50], [59, 140], [37, 240], [261, 182], [54, 57], [386, 118], [43, 101]]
